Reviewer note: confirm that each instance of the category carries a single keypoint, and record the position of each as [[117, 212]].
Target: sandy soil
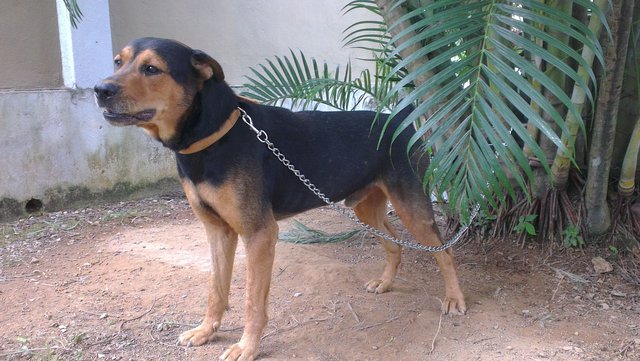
[[121, 282]]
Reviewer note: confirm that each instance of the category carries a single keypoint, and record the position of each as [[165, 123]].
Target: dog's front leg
[[260, 248], [222, 243]]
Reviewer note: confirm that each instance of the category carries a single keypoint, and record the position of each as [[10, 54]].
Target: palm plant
[[479, 74], [75, 14], [305, 83]]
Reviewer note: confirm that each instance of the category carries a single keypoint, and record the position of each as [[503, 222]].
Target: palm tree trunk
[[562, 161], [391, 15], [598, 219], [627, 184], [542, 180]]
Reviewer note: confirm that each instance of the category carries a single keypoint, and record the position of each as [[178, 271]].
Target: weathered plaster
[[56, 141]]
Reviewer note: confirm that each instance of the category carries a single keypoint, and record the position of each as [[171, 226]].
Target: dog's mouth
[[123, 119]]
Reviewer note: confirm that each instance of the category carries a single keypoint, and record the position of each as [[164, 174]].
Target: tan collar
[[207, 141], [247, 99]]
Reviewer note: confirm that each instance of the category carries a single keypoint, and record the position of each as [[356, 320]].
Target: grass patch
[[123, 215], [34, 229]]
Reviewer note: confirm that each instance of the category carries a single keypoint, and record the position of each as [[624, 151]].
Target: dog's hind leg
[[414, 209], [370, 206]]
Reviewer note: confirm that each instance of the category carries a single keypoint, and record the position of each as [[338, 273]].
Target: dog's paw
[[197, 336], [239, 352], [378, 286], [454, 305]]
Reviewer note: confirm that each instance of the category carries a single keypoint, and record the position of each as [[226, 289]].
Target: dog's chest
[[224, 203]]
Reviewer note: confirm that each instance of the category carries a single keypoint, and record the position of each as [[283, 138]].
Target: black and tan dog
[[236, 186]]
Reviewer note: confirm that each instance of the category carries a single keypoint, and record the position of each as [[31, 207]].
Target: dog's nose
[[105, 91]]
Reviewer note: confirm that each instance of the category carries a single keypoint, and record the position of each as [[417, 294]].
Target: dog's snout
[[105, 91]]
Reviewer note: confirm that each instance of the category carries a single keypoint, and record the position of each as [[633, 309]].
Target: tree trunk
[[542, 180], [598, 219], [629, 109], [562, 162], [391, 15], [627, 182]]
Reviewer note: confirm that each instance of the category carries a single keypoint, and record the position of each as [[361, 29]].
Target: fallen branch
[[139, 316], [377, 324], [30, 350], [433, 342], [34, 273], [355, 315], [292, 327]]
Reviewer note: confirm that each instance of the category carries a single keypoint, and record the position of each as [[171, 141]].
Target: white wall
[[29, 48], [242, 33]]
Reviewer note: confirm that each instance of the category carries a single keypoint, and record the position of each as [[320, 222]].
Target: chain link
[[264, 138]]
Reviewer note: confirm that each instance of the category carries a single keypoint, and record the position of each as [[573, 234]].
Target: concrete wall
[[29, 46], [241, 33], [57, 148]]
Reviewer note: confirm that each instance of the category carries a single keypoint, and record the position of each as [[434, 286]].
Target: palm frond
[[369, 34], [302, 234], [306, 83], [475, 51], [75, 14]]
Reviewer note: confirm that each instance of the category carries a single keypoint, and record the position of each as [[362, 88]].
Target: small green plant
[[166, 325], [571, 237], [48, 355], [23, 340], [77, 338], [525, 225], [613, 250], [485, 219], [122, 216]]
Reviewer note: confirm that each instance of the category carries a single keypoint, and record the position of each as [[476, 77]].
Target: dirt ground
[[121, 282]]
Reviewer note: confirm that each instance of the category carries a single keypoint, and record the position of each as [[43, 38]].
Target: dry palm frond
[[302, 234]]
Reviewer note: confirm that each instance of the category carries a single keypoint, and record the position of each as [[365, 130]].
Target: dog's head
[[154, 85]]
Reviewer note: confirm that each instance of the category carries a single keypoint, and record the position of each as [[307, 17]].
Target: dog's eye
[[117, 63], [150, 70]]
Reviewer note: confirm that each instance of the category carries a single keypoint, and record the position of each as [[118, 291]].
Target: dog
[[237, 187]]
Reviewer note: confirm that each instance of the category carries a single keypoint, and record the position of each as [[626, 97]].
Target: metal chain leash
[[264, 138]]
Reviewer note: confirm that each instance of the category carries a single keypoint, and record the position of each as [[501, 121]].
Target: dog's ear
[[206, 66]]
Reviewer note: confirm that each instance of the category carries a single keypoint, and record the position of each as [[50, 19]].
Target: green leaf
[[75, 14], [306, 83], [531, 230], [479, 46]]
